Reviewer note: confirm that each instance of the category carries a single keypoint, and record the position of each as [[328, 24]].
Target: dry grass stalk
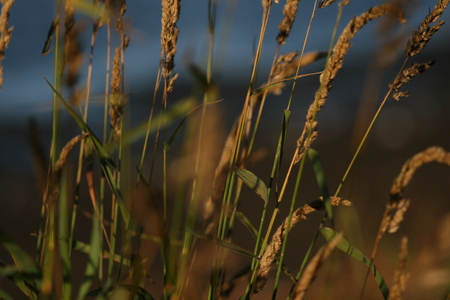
[[334, 63], [219, 182], [289, 11], [169, 37], [313, 267], [400, 276], [406, 76], [278, 237], [5, 32], [421, 36]]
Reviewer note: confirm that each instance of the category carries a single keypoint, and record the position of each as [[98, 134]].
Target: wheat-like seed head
[[334, 64], [400, 275], [5, 32], [424, 33], [169, 36], [289, 11], [313, 267], [406, 76], [277, 238]]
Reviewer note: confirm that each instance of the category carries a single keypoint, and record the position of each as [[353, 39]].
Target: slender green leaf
[[5, 296], [226, 244], [92, 9], [244, 220], [253, 182], [87, 248], [173, 136], [48, 41], [28, 275], [320, 177], [103, 154], [181, 108], [94, 257], [354, 252]]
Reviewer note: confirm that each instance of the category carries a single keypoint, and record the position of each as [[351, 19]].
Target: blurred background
[[403, 128]]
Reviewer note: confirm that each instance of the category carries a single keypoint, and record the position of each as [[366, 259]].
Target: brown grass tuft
[[313, 267], [5, 32], [421, 36], [289, 11], [400, 276], [278, 237], [335, 63]]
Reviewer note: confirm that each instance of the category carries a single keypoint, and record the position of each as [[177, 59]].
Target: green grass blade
[[63, 237], [48, 41], [320, 176], [28, 275], [246, 222], [103, 154], [5, 296], [87, 248], [181, 108], [354, 252], [94, 257], [253, 182]]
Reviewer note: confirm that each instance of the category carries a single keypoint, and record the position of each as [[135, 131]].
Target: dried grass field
[[292, 150]]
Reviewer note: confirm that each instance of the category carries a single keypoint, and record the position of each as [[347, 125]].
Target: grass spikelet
[[313, 267], [394, 215], [431, 154], [5, 32], [406, 76], [398, 204], [169, 37], [278, 237], [325, 3], [400, 276], [335, 63], [53, 190], [423, 34], [289, 11], [116, 105]]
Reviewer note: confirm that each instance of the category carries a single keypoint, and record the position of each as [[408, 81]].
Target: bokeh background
[[403, 129]]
